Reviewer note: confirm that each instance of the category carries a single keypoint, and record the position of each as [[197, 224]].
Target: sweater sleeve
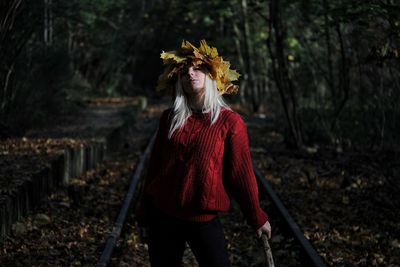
[[153, 166], [239, 174]]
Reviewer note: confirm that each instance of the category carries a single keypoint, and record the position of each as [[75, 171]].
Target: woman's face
[[193, 79]]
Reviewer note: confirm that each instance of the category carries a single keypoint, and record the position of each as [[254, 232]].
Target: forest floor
[[71, 226], [345, 203]]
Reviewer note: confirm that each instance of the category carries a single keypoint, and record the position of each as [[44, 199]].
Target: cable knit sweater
[[193, 175]]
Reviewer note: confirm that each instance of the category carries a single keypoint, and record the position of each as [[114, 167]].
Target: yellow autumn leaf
[[171, 55], [220, 85], [233, 75], [198, 55], [187, 46], [232, 89], [205, 49]]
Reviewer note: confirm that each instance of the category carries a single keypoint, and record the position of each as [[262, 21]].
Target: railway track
[[289, 245], [308, 255]]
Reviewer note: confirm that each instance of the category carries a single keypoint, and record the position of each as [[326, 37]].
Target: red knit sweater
[[193, 175]]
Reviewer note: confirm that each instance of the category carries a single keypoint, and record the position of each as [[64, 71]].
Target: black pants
[[168, 237]]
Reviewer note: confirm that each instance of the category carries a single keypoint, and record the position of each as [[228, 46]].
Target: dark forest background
[[325, 71]]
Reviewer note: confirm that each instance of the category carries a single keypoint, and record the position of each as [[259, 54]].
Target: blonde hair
[[213, 102]]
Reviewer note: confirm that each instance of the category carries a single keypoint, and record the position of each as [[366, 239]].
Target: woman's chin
[[194, 90]]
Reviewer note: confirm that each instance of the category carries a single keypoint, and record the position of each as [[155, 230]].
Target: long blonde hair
[[213, 102]]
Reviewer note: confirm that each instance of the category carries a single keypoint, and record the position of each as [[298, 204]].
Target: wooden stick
[[269, 260]]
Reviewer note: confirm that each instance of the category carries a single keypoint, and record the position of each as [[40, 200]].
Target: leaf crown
[[207, 56]]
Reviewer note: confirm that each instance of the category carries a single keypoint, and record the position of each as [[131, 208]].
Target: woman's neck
[[196, 107], [196, 102]]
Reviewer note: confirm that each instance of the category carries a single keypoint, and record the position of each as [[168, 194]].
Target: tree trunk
[[238, 46], [51, 20], [331, 82], [48, 23], [249, 60], [280, 70], [8, 16], [344, 79]]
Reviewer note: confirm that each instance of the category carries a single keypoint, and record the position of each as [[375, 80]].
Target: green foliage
[[340, 56], [343, 68]]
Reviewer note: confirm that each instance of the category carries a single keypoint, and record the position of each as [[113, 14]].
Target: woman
[[200, 160]]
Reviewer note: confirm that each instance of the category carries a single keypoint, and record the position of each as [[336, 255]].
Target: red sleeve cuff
[[261, 219]]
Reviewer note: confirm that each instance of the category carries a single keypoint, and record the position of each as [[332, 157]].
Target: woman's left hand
[[265, 229]]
